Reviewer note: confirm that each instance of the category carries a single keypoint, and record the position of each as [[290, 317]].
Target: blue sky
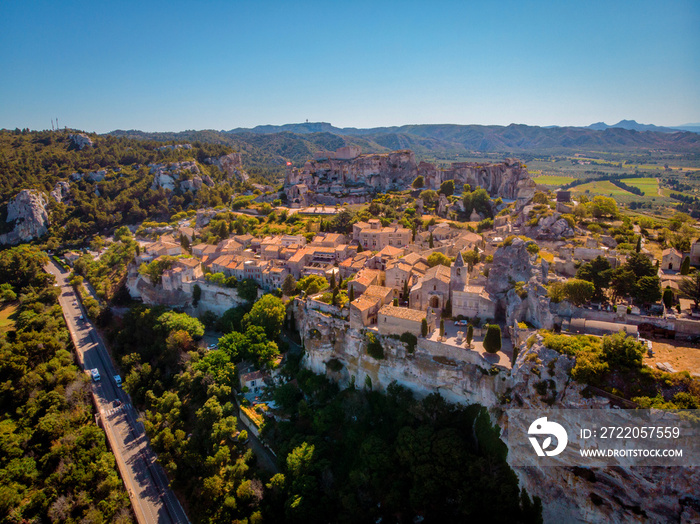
[[171, 66]]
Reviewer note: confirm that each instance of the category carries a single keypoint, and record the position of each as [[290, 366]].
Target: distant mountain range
[[275, 145], [635, 126]]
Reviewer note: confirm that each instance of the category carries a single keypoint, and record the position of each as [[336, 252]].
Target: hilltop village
[[467, 280]]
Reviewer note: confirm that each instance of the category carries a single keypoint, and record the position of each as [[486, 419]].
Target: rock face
[[510, 264], [442, 206], [28, 212], [230, 164], [166, 175], [649, 494], [508, 179], [80, 140], [552, 227], [61, 191], [533, 308], [355, 179]]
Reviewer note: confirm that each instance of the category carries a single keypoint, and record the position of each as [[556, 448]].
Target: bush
[[374, 347], [410, 340]]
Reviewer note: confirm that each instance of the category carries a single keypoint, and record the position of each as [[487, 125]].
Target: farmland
[[553, 180]]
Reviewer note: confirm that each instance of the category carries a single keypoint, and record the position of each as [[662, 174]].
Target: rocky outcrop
[[579, 495], [552, 227], [356, 180], [28, 212], [338, 178], [165, 176], [61, 191], [442, 206], [96, 176], [511, 264], [533, 307], [230, 164], [507, 179], [80, 140]]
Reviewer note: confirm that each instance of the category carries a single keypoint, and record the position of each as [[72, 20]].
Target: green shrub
[[374, 347]]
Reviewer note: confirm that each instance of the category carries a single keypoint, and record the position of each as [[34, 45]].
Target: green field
[[553, 180], [7, 312], [602, 187], [649, 186]]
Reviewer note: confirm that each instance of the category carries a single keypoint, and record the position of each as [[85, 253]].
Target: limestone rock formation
[[166, 174], [80, 140], [61, 191], [419, 206], [97, 176], [510, 264], [337, 177], [442, 206], [507, 179], [552, 227], [28, 212], [533, 308], [337, 180], [230, 164]]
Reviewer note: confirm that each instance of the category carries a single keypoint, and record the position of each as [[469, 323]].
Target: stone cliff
[[31, 219], [340, 178], [653, 494], [230, 164]]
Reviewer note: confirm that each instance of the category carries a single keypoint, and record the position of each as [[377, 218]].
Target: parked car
[[461, 323], [95, 374]]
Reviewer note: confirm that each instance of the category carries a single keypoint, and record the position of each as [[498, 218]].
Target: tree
[[640, 265], [312, 284], [578, 291], [619, 350], [332, 281], [289, 285], [648, 290], [598, 273], [7, 294], [431, 242], [424, 328], [622, 282], [248, 290], [603, 206], [196, 294], [685, 266], [639, 244], [492, 340], [439, 258], [447, 310], [418, 182], [123, 233], [171, 321], [668, 297], [447, 188], [689, 287], [268, 313], [405, 294], [429, 196], [351, 293], [442, 327], [470, 334]]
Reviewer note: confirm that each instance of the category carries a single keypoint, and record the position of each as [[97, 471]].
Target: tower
[[459, 273]]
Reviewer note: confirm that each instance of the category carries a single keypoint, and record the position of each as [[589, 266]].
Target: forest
[[38, 160], [54, 461]]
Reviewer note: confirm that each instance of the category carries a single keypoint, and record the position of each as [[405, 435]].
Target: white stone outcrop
[[334, 179], [28, 212], [80, 140], [511, 264], [61, 191], [230, 165], [170, 175]]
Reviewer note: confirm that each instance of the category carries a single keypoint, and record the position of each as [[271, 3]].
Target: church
[[440, 284]]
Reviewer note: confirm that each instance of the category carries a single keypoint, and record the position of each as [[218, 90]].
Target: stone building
[[671, 259], [398, 320]]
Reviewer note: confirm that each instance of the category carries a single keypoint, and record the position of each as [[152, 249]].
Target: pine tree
[[470, 334], [639, 244], [424, 328]]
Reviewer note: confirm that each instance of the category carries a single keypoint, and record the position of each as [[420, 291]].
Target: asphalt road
[[145, 480]]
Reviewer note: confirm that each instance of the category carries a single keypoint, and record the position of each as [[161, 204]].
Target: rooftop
[[403, 313]]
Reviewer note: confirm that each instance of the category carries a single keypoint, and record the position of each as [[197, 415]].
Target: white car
[[95, 374]]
